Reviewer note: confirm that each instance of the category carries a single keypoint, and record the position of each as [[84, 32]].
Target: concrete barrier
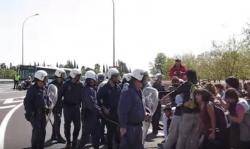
[[2, 81]]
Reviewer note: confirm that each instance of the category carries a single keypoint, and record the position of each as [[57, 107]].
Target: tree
[[74, 65], [61, 66], [189, 60], [103, 69], [97, 68], [122, 67], [69, 64], [7, 73], [3, 66], [83, 70], [161, 64]]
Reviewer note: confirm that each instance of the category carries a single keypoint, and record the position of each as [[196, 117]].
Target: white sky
[[82, 29]]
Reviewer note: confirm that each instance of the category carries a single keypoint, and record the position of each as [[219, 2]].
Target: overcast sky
[[82, 29]]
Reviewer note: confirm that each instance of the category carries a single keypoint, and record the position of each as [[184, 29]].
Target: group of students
[[207, 115], [95, 104], [196, 115]]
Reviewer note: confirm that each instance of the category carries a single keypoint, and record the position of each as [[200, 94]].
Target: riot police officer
[[131, 113], [101, 81], [91, 123], [100, 78], [35, 111], [72, 93], [125, 81], [57, 110], [108, 96]]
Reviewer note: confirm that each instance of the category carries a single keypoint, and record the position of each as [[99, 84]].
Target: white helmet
[[74, 72], [138, 74], [112, 71], [60, 73], [158, 76], [41, 75], [127, 76], [90, 75]]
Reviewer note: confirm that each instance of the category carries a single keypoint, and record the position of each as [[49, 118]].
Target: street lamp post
[[25, 20], [113, 2]]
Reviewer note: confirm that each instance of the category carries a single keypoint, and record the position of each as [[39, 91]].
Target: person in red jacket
[[177, 70]]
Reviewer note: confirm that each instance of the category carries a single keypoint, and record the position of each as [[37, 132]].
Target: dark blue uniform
[[34, 104], [108, 96], [131, 114], [57, 112], [91, 123], [72, 93]]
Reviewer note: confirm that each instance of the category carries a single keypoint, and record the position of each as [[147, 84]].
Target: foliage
[[230, 58], [7, 73]]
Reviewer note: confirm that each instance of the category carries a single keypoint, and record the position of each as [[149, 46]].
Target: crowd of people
[[110, 110], [207, 115]]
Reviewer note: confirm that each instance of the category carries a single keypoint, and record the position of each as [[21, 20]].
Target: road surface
[[15, 131]]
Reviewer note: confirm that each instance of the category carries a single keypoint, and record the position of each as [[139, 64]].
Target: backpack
[[191, 103], [221, 121], [245, 125]]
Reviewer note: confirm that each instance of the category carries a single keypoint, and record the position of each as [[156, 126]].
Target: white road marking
[[12, 100], [8, 92], [4, 124], [7, 107]]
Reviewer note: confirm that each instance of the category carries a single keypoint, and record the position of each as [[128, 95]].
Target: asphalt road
[[15, 131]]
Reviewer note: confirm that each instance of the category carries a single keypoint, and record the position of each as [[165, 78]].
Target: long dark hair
[[206, 95], [192, 76], [233, 82], [232, 93]]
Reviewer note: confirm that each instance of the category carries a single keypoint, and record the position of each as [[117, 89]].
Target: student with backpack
[[207, 122], [245, 125], [222, 120], [211, 122], [187, 136], [240, 118]]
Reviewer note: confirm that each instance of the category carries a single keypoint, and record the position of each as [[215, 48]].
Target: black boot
[[74, 144], [60, 139], [68, 145]]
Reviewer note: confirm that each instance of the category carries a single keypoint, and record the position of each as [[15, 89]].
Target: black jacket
[[72, 93]]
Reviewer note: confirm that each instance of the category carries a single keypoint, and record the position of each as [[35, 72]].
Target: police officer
[[125, 81], [108, 97], [100, 78], [100, 81], [157, 115], [16, 80], [57, 110], [131, 113], [72, 93], [35, 112], [91, 123]]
